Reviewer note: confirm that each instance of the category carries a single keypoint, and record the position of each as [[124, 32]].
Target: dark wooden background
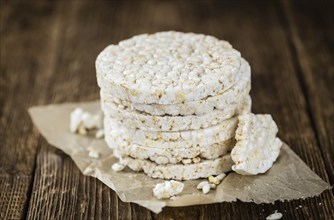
[[48, 49]]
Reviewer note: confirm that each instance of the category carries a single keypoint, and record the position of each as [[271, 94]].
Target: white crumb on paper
[[167, 189], [201, 184], [206, 188], [82, 130], [99, 134], [213, 186], [94, 154], [221, 176], [275, 216], [81, 121], [91, 121], [75, 119], [214, 180], [117, 167]]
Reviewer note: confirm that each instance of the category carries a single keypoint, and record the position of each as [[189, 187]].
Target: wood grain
[[25, 69], [74, 195], [313, 41], [48, 51]]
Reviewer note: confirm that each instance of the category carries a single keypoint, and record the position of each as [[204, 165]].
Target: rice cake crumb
[[275, 216], [167, 189]]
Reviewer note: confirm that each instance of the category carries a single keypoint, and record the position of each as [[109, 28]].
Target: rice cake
[[203, 169], [168, 68], [167, 154], [177, 139], [135, 119], [257, 146], [232, 96]]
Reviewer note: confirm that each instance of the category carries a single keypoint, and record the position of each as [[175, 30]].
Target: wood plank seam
[[32, 179]]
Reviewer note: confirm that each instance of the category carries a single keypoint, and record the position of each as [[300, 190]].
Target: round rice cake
[[203, 169], [232, 96], [167, 154], [168, 68], [174, 140], [135, 119]]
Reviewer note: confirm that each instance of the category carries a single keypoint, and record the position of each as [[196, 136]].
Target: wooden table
[[48, 50]]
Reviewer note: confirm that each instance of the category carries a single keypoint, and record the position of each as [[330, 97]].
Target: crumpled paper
[[288, 179]]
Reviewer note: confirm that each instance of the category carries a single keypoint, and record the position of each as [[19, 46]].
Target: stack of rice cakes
[[171, 101]]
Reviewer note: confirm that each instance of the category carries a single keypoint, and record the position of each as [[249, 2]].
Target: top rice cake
[[168, 68]]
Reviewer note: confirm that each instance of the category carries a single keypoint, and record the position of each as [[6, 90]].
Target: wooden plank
[[27, 43], [65, 192], [312, 34]]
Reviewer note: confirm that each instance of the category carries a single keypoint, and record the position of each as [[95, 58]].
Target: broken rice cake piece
[[257, 146], [167, 189]]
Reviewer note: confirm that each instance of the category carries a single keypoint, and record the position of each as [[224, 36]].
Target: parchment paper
[[288, 179]]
